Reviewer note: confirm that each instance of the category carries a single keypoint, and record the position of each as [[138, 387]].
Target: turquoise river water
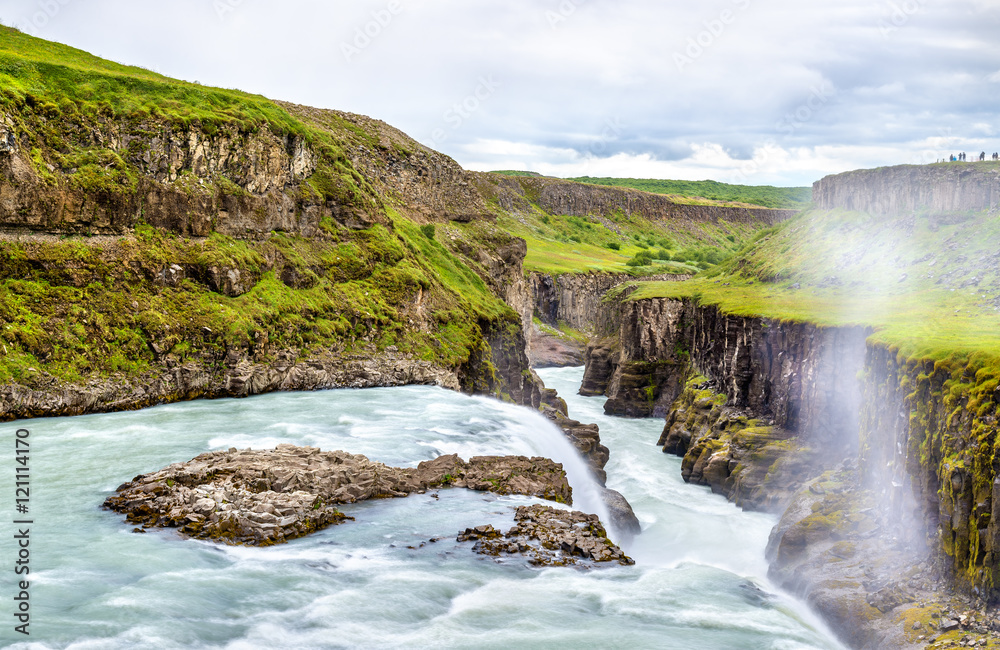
[[699, 579]]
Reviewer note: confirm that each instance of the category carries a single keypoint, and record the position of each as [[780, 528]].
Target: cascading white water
[[545, 439], [379, 582]]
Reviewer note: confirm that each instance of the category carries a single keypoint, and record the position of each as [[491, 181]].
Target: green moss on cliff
[[82, 308], [76, 309]]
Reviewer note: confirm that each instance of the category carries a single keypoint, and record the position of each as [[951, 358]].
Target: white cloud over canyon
[[753, 91]]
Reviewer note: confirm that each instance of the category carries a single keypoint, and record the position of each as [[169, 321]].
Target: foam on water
[[379, 581]]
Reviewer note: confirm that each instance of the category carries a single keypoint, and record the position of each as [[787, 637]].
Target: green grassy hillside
[[622, 244], [791, 198], [928, 284], [76, 307], [65, 79], [103, 292]]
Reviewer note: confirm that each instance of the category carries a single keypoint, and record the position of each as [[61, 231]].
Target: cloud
[[831, 86]]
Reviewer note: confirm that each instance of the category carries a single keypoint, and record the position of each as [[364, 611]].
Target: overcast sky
[[776, 92]]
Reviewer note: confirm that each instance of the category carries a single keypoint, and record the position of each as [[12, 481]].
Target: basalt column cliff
[[874, 437]]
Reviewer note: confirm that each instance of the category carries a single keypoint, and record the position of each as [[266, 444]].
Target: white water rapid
[[378, 582]]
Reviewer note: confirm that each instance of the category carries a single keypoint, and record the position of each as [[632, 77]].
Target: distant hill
[[794, 198]]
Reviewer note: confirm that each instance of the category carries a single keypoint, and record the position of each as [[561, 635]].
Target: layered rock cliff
[[876, 444], [864, 456], [944, 187], [575, 309], [565, 197], [794, 381]]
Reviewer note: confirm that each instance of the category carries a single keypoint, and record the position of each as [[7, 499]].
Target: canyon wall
[[902, 190], [571, 300], [578, 300], [884, 468], [557, 196], [806, 422], [928, 440], [797, 376]]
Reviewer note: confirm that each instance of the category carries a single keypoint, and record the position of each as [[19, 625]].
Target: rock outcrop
[[549, 537], [585, 437], [750, 461], [260, 498], [630, 362], [620, 514]]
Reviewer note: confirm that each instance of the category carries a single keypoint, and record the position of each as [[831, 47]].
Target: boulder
[[549, 537], [620, 513]]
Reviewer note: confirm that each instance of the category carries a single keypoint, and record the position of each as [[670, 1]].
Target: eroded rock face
[[548, 537], [8, 139], [600, 360], [838, 549], [750, 461], [906, 188], [265, 497], [802, 376], [642, 368]]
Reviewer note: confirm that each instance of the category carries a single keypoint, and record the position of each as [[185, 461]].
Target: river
[[379, 582]]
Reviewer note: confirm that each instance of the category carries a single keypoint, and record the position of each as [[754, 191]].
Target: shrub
[[642, 258], [613, 245], [428, 230]]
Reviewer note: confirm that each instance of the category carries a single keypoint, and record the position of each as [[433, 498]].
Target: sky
[[777, 92]]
